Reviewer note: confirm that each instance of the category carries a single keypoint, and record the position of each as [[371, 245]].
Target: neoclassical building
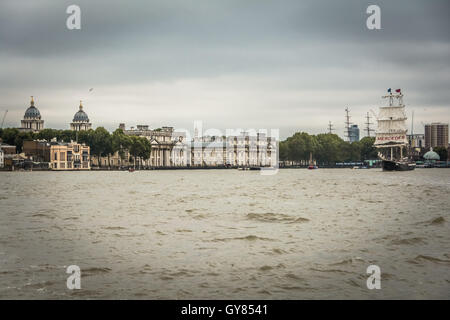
[[171, 149], [80, 120], [241, 150], [162, 141], [32, 120]]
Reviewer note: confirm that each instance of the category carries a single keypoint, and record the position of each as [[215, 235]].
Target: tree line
[[326, 148], [442, 152], [101, 142]]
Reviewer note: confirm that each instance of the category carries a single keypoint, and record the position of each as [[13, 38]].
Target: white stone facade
[[2, 158], [170, 149]]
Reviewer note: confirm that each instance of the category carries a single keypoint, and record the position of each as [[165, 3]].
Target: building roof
[[32, 112], [5, 145], [431, 155], [80, 116]]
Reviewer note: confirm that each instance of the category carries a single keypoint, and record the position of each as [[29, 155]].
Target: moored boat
[[312, 165]]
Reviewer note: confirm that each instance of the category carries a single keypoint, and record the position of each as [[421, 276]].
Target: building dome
[[32, 112], [80, 120], [431, 155], [80, 116]]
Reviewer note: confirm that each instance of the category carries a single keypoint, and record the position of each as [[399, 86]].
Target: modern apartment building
[[436, 135], [353, 133]]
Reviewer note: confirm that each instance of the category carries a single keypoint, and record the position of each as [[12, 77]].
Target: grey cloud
[[270, 52]]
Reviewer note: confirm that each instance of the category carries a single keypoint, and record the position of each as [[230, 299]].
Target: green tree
[[100, 143], [368, 151], [67, 135], [140, 148], [147, 149], [325, 148], [350, 151], [283, 150], [300, 145], [86, 137], [328, 148], [49, 134], [120, 142], [442, 152], [9, 135], [15, 137], [20, 138]]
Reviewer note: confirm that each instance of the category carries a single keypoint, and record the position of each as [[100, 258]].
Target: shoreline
[[197, 168]]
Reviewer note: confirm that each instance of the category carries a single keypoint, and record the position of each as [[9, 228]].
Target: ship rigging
[[391, 137]]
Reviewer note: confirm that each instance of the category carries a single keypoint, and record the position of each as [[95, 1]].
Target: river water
[[225, 234]]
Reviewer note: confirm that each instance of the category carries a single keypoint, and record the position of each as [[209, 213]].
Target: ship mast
[[392, 130], [368, 123], [330, 127], [347, 133]]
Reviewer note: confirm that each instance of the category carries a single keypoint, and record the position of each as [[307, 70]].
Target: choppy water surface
[[225, 234]]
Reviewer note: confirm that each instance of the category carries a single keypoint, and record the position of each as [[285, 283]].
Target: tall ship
[[391, 140]]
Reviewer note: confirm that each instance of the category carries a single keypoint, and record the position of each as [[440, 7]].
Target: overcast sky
[[291, 65]]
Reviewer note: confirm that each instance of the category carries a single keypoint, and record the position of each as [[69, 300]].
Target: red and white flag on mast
[[398, 90]]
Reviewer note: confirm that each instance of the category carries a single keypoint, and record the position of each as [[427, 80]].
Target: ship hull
[[397, 166]]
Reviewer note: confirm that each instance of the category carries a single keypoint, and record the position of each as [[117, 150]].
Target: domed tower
[[32, 119], [80, 120]]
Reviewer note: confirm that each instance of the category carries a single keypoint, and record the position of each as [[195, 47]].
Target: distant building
[[7, 155], [7, 149], [243, 150], [431, 156], [37, 150], [32, 120], [162, 141], [114, 160], [60, 156], [416, 140], [436, 135], [80, 120], [171, 149], [416, 143], [353, 133], [69, 156]]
